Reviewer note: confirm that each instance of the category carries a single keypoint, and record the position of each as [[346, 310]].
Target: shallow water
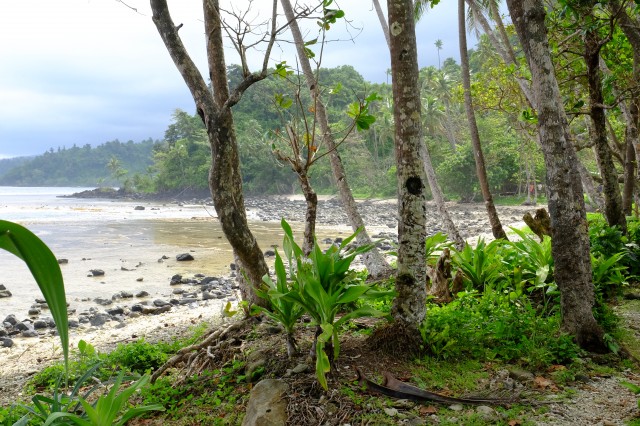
[[126, 243]]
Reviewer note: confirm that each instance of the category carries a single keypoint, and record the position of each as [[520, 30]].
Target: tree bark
[[376, 264], [436, 191], [570, 240], [612, 199], [481, 172], [409, 306], [225, 181]]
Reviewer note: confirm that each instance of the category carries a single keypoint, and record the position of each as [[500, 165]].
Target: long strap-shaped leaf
[[44, 267]]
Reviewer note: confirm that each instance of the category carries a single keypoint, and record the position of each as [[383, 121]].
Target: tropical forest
[[458, 245]]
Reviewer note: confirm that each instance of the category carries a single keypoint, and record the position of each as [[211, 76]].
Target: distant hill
[[78, 166], [7, 164]]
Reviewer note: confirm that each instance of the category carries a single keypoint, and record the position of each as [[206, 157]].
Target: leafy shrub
[[491, 325], [323, 286], [608, 241], [139, 357]]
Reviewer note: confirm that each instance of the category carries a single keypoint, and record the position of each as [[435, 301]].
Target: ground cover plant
[[505, 318]]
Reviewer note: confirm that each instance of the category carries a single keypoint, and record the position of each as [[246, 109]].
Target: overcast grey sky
[[91, 71]]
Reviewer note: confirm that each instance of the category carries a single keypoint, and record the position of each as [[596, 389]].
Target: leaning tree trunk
[[570, 239], [225, 180], [409, 305], [611, 189], [375, 262], [481, 171], [589, 187]]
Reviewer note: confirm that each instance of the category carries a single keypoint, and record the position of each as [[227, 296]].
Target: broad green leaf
[[45, 270]]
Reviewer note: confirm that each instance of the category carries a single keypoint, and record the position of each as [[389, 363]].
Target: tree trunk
[[632, 31], [383, 22], [612, 199], [225, 180], [409, 305], [311, 199], [589, 187], [436, 191], [570, 240], [375, 262], [494, 220]]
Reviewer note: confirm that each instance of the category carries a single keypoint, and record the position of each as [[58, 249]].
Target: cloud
[[90, 71]]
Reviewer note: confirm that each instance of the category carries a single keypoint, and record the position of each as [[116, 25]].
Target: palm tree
[[438, 44]]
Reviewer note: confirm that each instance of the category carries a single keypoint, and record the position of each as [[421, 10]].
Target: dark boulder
[[184, 257]]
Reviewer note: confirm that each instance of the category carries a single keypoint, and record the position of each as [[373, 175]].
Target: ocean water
[[111, 235]]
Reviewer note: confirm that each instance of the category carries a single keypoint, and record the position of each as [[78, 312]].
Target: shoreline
[[26, 355]]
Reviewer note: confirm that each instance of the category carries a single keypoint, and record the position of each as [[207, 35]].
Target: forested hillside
[[108, 164], [181, 161]]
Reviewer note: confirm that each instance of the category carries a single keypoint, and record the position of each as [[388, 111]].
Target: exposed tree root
[[220, 344], [396, 340]]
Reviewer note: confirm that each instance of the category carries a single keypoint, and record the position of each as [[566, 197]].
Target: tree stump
[[540, 224], [440, 276]]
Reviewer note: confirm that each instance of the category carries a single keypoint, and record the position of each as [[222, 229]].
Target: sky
[[91, 71]]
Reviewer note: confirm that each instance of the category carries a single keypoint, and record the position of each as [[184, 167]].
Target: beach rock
[[142, 294], [29, 333], [178, 291], [2, 287], [96, 272], [34, 312], [10, 319], [159, 303], [269, 253], [176, 279], [5, 293], [40, 324], [163, 309], [63, 261], [115, 311], [21, 326], [188, 301], [5, 342], [74, 323], [139, 279], [184, 257], [103, 301], [3, 332], [210, 280], [267, 404], [99, 320], [139, 208]]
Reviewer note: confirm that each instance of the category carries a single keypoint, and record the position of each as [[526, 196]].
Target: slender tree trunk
[[438, 198], [376, 264], [383, 22], [570, 239], [311, 199], [494, 220], [612, 199], [409, 305], [225, 180], [631, 30], [589, 187], [436, 191]]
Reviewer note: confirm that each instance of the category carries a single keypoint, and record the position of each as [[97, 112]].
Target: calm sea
[[113, 236]]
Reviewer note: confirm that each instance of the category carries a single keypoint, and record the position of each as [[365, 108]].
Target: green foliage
[[81, 166], [322, 285], [45, 269], [110, 408], [434, 245], [481, 265], [281, 310], [208, 397], [608, 241], [493, 326], [633, 388], [137, 357]]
